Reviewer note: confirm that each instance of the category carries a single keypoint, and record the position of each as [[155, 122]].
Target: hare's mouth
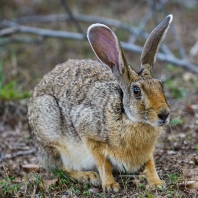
[[161, 123]]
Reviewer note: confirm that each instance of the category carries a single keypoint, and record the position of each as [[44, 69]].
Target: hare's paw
[[87, 177], [156, 184], [115, 187]]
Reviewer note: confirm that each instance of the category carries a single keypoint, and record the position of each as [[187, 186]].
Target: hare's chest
[[129, 161]]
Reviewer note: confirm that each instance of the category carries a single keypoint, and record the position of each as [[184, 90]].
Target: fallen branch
[[136, 32], [82, 18], [22, 153], [27, 40], [79, 36], [40, 31]]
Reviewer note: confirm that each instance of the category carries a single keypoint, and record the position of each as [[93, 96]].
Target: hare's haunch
[[88, 117]]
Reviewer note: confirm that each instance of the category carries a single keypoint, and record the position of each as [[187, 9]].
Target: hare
[[88, 117]]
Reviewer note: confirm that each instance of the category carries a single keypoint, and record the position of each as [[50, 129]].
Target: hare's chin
[[160, 123]]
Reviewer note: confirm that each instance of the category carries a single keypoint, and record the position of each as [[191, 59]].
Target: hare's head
[[143, 96]]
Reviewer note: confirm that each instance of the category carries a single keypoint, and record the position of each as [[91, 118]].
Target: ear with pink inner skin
[[105, 45], [107, 48]]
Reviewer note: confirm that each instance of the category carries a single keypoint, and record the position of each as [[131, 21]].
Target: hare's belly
[[76, 156]]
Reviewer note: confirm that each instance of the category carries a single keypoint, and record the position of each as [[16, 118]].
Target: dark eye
[[137, 91]]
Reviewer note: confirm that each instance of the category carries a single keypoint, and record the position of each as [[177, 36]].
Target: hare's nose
[[163, 114]]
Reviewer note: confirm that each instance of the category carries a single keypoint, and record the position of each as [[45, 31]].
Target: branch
[[172, 28], [27, 40], [21, 153], [80, 17], [163, 57], [136, 32], [141, 26], [42, 32], [72, 17], [79, 36]]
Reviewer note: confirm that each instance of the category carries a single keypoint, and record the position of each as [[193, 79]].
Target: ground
[[22, 67]]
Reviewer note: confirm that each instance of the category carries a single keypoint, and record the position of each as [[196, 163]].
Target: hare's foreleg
[[151, 174], [104, 167]]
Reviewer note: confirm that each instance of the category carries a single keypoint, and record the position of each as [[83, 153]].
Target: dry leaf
[[17, 180], [31, 167], [171, 152], [94, 190], [189, 76], [190, 185], [193, 109], [48, 183]]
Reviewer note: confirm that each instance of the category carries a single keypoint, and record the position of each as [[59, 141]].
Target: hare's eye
[[137, 92]]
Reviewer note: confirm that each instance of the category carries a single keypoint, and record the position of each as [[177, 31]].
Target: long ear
[[107, 48], [150, 49]]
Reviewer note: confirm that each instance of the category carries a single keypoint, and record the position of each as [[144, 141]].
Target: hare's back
[[75, 78]]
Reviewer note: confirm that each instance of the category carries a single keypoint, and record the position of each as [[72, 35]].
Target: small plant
[[86, 191], [173, 177], [62, 176], [142, 186], [177, 122], [149, 195], [7, 187], [178, 92], [10, 91]]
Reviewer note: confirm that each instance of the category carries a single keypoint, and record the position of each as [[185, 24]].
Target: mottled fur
[[84, 118]]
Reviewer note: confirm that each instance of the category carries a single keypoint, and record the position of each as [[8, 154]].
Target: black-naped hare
[[88, 116]]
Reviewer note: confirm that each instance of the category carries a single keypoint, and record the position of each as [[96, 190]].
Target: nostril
[[163, 116]]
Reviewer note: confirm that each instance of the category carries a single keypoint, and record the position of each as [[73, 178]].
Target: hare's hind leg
[[54, 147], [86, 177], [45, 123], [76, 157]]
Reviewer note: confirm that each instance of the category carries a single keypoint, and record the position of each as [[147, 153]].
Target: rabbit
[[89, 118]]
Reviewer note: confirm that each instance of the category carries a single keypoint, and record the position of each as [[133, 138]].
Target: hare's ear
[[107, 48], [152, 44]]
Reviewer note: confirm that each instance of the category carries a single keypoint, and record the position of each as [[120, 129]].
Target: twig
[[1, 156], [21, 153], [145, 19], [28, 40], [129, 175], [172, 28], [34, 191], [72, 17], [141, 26]]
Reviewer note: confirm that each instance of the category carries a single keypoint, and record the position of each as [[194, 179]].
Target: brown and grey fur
[[84, 116]]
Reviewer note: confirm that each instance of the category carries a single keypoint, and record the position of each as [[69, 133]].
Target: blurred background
[[36, 35]]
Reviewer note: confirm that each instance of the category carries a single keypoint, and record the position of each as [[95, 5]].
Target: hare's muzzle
[[163, 116]]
